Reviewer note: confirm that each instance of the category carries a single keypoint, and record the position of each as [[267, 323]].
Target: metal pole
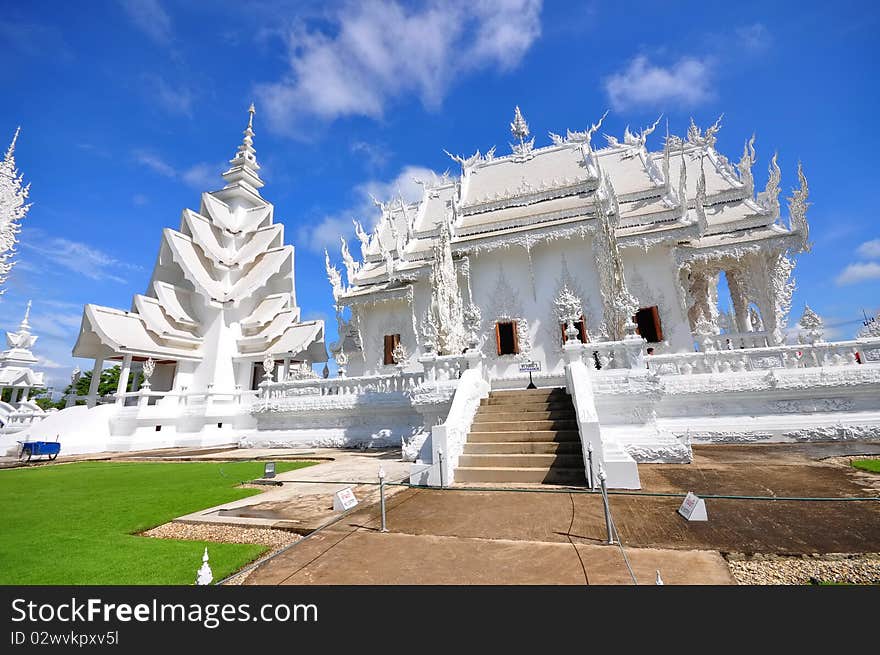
[[382, 497], [440, 464], [608, 525], [591, 479]]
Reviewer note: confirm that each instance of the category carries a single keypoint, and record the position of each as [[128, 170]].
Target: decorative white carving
[[351, 266], [797, 210], [812, 326], [769, 198], [446, 301], [704, 139], [520, 130], [745, 166], [619, 305], [333, 276]]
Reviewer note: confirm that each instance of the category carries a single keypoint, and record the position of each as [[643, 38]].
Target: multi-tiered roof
[[687, 193], [222, 289]]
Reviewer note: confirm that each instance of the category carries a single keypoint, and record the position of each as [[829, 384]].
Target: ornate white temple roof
[[500, 197], [17, 360], [223, 285]]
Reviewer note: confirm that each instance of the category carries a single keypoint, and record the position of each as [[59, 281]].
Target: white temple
[[18, 375], [597, 268]]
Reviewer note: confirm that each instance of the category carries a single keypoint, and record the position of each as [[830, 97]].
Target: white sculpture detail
[[446, 302], [333, 276], [13, 209], [520, 130], [149, 367], [351, 266], [204, 576], [745, 166], [812, 326], [797, 210]]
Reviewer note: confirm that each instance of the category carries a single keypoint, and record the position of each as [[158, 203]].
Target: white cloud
[[76, 256], [754, 38], [139, 200], [685, 83], [326, 232], [149, 17], [377, 52], [869, 249], [201, 176], [859, 272], [176, 100], [154, 163], [45, 362]]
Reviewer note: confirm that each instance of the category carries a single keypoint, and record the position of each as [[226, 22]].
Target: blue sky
[[129, 110]]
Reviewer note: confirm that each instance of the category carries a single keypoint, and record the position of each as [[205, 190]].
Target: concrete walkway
[[305, 506]]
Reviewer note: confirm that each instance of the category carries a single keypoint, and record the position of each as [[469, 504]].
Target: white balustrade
[[828, 354]]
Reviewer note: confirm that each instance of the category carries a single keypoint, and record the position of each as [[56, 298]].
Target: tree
[[106, 387], [12, 209]]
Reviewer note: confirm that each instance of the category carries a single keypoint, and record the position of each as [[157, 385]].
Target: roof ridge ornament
[[519, 128], [706, 139], [244, 169], [745, 166], [769, 198], [797, 210], [573, 136]]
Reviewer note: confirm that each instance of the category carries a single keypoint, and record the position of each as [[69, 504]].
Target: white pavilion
[[17, 374]]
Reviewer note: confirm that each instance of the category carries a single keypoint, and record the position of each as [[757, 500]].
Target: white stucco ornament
[[149, 367], [812, 326], [205, 576], [12, 208], [268, 364]]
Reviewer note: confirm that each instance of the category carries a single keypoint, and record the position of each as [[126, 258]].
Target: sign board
[[529, 367], [344, 499], [693, 508], [269, 470]]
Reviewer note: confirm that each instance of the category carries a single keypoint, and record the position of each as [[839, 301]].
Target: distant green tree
[[107, 385]]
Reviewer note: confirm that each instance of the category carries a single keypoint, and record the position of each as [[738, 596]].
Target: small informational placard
[[344, 499], [529, 367], [693, 508], [269, 470]]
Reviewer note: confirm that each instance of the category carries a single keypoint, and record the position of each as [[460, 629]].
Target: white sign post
[[344, 499], [693, 508]]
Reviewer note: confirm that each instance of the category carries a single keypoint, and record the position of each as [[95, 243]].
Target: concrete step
[[521, 475], [558, 415], [521, 460], [526, 426], [524, 447], [530, 396], [486, 406], [531, 435]]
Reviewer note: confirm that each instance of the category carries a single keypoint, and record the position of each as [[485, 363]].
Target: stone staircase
[[523, 436]]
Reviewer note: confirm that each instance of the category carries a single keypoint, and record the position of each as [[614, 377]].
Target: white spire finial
[[11, 150], [27, 313], [251, 110]]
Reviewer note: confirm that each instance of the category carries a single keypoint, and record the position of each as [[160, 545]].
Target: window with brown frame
[[581, 326], [391, 341], [647, 319], [506, 340]]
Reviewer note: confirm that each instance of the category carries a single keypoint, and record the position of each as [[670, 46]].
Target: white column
[[135, 379], [92, 399], [285, 370], [15, 398], [26, 393], [124, 372]]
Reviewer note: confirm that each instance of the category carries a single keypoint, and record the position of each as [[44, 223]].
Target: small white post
[[204, 575], [609, 527], [122, 386], [659, 580]]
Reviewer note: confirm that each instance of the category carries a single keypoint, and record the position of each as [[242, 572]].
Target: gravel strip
[[274, 539], [784, 570]]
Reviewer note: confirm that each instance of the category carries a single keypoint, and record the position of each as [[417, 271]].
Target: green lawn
[[75, 523], [872, 465]]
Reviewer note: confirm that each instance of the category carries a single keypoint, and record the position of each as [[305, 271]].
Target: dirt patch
[[775, 570]]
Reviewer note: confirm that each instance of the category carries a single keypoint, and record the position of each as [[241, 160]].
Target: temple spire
[[25, 325], [244, 170]]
